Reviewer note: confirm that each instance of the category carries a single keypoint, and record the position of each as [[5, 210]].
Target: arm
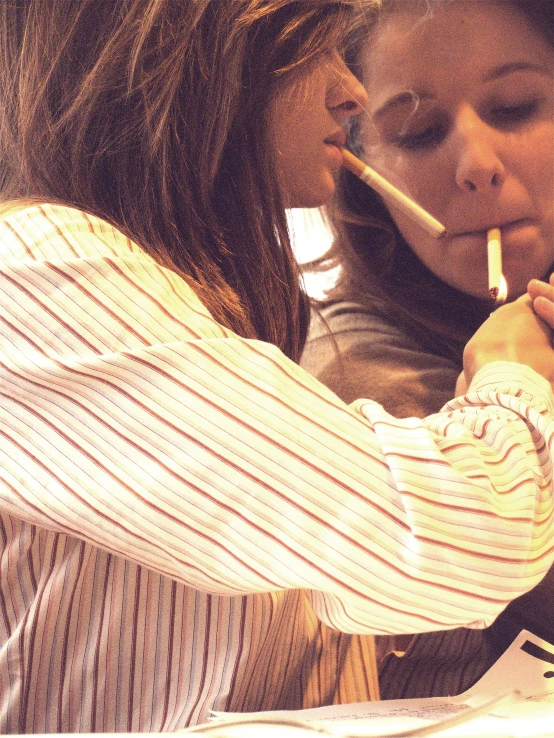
[[358, 353], [131, 420]]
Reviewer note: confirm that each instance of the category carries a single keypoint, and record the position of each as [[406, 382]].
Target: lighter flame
[[502, 291]]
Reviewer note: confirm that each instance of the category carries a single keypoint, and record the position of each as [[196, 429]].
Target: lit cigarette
[[392, 195], [498, 289]]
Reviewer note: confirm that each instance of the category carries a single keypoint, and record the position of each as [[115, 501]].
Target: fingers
[[545, 310], [537, 288], [542, 295], [515, 332]]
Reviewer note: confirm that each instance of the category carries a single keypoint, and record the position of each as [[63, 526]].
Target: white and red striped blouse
[[188, 519]]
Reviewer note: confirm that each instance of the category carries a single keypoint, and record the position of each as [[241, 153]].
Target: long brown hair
[[151, 114], [379, 267]]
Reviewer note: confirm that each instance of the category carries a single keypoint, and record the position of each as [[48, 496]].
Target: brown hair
[[151, 114], [377, 263]]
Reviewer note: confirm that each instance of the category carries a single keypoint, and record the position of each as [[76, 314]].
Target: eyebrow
[[519, 66], [496, 73]]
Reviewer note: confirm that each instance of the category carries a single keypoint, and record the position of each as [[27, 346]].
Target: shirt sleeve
[[133, 421]]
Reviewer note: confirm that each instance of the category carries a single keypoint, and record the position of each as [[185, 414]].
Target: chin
[[320, 191], [516, 290], [321, 196]]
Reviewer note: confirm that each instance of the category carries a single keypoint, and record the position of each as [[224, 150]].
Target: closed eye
[[426, 138], [511, 115]]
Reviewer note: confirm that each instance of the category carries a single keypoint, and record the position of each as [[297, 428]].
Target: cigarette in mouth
[[498, 290], [391, 194]]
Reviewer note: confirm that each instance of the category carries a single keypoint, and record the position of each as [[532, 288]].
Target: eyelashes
[[430, 136], [513, 114], [434, 129]]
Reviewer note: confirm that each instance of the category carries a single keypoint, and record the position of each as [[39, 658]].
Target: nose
[[347, 96], [478, 166]]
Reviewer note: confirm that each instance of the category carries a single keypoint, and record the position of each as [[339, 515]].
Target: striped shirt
[[189, 521]]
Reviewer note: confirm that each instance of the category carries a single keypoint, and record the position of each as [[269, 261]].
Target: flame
[[503, 291], [500, 293]]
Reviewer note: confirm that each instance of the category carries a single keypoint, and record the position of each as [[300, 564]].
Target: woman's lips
[[334, 152], [504, 229], [337, 139]]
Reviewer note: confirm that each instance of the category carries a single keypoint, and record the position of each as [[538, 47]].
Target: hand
[[542, 295], [513, 333]]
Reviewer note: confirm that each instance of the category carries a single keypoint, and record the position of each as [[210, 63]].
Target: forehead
[[457, 44]]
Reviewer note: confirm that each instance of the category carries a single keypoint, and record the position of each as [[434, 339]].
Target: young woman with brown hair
[[461, 115], [189, 520]]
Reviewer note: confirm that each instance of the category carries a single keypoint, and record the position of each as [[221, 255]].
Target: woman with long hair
[[188, 520], [460, 115]]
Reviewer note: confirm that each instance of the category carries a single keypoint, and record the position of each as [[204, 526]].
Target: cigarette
[[392, 195], [498, 289]]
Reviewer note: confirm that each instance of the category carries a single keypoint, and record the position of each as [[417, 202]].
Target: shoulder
[[349, 325], [360, 353], [70, 254], [46, 232]]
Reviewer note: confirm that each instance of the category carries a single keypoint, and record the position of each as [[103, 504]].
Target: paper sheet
[[527, 666]]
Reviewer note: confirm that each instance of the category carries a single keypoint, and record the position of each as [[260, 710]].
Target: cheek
[[533, 163], [424, 178], [429, 182], [545, 192], [290, 159], [463, 266], [431, 251]]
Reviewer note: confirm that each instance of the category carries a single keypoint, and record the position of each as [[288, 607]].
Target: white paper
[[518, 669], [527, 666]]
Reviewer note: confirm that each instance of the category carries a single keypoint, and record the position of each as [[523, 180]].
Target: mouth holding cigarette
[[391, 194], [498, 289]]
